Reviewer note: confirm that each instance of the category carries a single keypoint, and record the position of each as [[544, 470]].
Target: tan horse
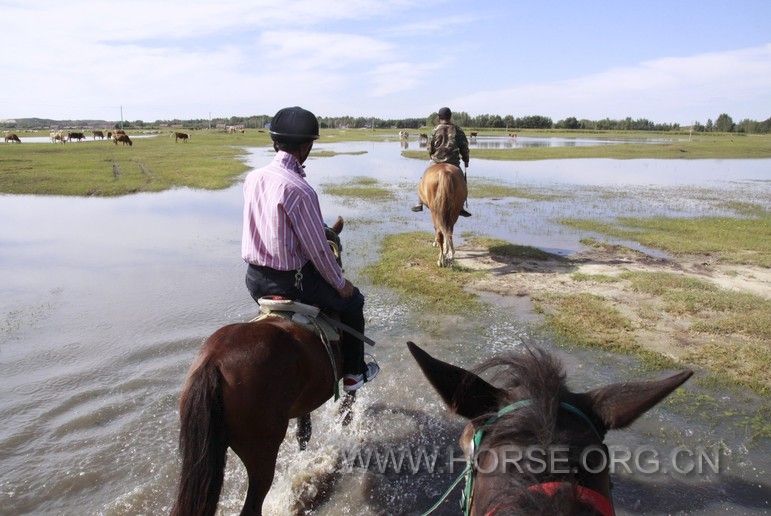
[[443, 189]]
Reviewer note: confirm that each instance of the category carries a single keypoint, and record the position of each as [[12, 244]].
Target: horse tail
[[443, 202], [202, 442]]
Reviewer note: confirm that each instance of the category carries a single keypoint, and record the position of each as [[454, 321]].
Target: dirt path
[[648, 322]]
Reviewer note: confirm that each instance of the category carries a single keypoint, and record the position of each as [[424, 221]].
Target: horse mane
[[537, 375]]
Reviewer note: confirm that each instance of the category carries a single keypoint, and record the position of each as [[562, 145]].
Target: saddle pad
[[298, 313]]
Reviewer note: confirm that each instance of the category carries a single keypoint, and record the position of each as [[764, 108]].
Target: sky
[[671, 61]]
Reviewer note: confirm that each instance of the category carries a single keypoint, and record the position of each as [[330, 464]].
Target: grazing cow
[[403, 135], [12, 138], [109, 135], [98, 134], [75, 136], [120, 131], [473, 134], [57, 136], [123, 138], [180, 136]]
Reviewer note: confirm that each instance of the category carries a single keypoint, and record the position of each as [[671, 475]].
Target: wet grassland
[[706, 304], [703, 302]]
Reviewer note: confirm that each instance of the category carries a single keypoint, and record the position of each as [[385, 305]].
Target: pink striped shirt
[[283, 228]]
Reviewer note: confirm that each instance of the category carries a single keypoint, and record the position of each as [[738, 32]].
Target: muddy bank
[[683, 310]]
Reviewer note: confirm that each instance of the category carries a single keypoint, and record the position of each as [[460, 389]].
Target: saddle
[[306, 316]]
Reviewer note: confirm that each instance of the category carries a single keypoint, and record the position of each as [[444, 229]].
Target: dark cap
[[444, 113], [294, 125]]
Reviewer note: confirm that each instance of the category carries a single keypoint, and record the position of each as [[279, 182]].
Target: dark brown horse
[[443, 189], [248, 381], [533, 417], [12, 138], [123, 138]]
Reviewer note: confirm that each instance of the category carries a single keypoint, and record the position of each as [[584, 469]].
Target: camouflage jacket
[[448, 144]]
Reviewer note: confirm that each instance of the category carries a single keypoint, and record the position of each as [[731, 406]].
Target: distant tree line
[[723, 123]]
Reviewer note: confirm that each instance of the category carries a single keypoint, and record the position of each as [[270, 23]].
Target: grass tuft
[[732, 240], [407, 265]]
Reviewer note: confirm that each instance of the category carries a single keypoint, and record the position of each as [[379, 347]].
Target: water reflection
[[513, 142]]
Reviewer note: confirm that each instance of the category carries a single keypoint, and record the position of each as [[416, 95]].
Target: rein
[[600, 502]]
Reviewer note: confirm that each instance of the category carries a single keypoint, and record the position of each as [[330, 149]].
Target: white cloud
[[673, 89], [323, 50]]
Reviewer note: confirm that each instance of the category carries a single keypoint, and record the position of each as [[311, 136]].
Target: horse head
[[333, 239], [535, 419]]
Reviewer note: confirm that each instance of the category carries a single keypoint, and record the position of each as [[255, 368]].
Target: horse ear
[[337, 227], [465, 393], [619, 404]]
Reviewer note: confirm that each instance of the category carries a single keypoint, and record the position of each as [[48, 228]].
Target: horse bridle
[[597, 500]]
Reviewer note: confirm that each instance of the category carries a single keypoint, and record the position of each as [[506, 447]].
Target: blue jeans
[[264, 281]]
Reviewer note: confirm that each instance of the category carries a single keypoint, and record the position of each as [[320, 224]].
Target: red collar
[[600, 502]]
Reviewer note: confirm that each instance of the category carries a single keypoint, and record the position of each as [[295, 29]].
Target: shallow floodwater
[[104, 302]]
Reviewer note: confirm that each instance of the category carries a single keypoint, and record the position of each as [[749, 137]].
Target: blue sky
[[668, 61]]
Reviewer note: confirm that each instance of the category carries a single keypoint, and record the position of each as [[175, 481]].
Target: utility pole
[[121, 117], [209, 120]]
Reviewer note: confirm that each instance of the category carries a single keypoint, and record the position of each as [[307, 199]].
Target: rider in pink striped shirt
[[284, 243]]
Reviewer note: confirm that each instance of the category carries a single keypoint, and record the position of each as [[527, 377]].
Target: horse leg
[[345, 412], [449, 248], [304, 430], [442, 240], [260, 462]]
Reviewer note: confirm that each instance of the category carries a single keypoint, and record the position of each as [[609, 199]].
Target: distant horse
[[109, 135], [75, 136], [98, 134], [123, 138], [248, 381], [181, 136], [12, 138], [531, 420], [443, 189], [473, 135]]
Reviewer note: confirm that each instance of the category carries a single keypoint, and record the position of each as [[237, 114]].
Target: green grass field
[[213, 159], [208, 160]]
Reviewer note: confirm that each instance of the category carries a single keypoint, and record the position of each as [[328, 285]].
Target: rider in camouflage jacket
[[447, 144]]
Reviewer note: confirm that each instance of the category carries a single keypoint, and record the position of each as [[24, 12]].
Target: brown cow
[[75, 136], [123, 138], [181, 136], [12, 138], [98, 134]]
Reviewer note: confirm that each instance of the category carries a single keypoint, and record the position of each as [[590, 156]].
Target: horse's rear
[[443, 189], [247, 382]]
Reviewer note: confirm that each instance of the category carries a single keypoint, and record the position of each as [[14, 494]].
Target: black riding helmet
[[294, 125]]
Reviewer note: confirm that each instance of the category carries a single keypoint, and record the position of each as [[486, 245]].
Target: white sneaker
[[352, 382]]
